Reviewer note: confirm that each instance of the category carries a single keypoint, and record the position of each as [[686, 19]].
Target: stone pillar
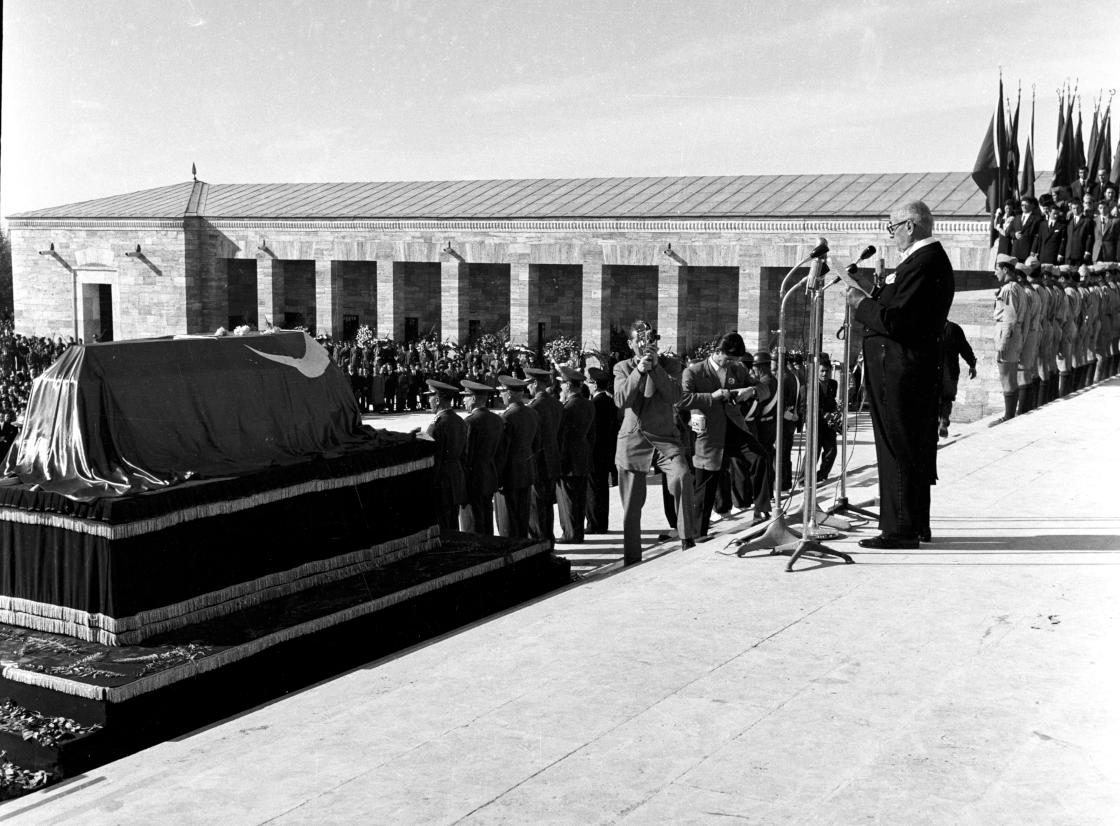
[[328, 298], [595, 330], [390, 322], [753, 322], [672, 294], [453, 298], [519, 332], [270, 292]]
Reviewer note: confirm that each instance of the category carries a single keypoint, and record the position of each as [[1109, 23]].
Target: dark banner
[[126, 417]]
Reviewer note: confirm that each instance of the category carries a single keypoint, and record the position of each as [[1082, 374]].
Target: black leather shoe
[[759, 518], [889, 543], [925, 536], [687, 543]]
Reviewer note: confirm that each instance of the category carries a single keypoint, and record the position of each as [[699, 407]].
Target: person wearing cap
[[519, 468], [543, 496], [485, 445], [576, 436], [903, 324], [1092, 307], [647, 389], [712, 390], [1032, 333], [449, 433], [826, 434], [605, 442], [1051, 334], [1008, 314]]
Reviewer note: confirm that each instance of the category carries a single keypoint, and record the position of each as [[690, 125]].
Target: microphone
[[868, 251], [820, 250]]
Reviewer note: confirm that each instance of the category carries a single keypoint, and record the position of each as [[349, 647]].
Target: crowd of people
[[22, 358], [564, 433]]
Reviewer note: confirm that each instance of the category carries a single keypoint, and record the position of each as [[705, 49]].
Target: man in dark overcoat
[[449, 433], [602, 454], [901, 351], [543, 497], [484, 458], [519, 470], [577, 434]]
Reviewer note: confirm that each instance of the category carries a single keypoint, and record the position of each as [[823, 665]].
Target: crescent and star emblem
[[312, 364]]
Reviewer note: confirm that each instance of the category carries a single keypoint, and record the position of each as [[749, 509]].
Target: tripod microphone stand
[[778, 535]]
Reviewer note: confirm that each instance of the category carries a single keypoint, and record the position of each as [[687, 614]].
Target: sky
[[120, 95]]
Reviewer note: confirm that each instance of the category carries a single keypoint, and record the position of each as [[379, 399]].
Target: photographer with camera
[[647, 389]]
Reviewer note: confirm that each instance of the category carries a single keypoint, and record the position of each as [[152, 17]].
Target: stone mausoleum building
[[699, 256]]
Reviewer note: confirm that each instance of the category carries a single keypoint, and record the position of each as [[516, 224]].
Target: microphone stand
[[842, 505]]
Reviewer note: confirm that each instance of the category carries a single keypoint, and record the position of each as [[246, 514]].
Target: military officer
[[449, 433], [1008, 315], [576, 436], [543, 496], [519, 470], [485, 432], [602, 454]]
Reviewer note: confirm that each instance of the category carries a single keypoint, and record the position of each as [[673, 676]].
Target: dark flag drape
[[989, 171], [1013, 151], [1065, 167], [1078, 145], [1092, 153], [1026, 184]]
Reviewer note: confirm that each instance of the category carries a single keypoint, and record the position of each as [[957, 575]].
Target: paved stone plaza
[[970, 682]]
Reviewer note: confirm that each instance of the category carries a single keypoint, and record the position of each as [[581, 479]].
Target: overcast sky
[[106, 97]]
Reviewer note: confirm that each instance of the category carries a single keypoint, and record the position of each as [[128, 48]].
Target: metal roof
[[948, 194]]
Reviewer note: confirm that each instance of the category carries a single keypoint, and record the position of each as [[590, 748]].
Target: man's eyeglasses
[[892, 227]]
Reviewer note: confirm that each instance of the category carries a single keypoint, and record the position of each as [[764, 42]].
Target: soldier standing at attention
[[543, 496], [577, 434], [483, 459], [1008, 318], [449, 433], [602, 453], [519, 470]]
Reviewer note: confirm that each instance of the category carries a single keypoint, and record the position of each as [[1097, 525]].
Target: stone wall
[[630, 292], [555, 299], [359, 284], [488, 291], [417, 294]]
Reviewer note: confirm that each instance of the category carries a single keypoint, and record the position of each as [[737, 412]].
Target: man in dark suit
[[954, 347], [713, 390], [901, 353], [543, 496], [577, 434], [647, 389], [1050, 243], [826, 434], [449, 433], [484, 459], [519, 470], [1025, 238], [1079, 235], [602, 453]]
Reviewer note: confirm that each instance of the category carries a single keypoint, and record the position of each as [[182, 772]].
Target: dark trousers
[[598, 501], [541, 517], [761, 467], [448, 518], [826, 448], [571, 501], [511, 511], [477, 516], [632, 491]]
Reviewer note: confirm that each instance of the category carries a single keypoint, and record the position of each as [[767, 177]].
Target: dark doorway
[[349, 327], [97, 312], [474, 330], [411, 329], [105, 299]]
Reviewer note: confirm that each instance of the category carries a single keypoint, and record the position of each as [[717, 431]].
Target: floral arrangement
[[243, 330], [38, 727], [364, 337], [562, 350], [702, 351]]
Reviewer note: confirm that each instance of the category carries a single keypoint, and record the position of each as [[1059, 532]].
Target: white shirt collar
[[712, 363], [917, 245]]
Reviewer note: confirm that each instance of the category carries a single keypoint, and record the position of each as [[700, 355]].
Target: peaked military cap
[[443, 388], [539, 373], [513, 384], [599, 375], [762, 357], [572, 375], [477, 388]]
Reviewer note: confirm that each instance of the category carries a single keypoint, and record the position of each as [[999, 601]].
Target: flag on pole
[[1079, 143], [1065, 167], [989, 171], [1092, 154], [1061, 118], [1108, 160], [1026, 185], [1013, 150]]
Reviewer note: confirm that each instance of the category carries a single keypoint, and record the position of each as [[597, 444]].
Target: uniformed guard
[[1068, 359], [576, 437], [1008, 314], [449, 433], [1032, 327], [519, 470], [543, 496], [607, 420], [484, 458], [1039, 370]]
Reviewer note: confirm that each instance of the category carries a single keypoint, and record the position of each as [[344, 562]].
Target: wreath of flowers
[[364, 336], [561, 349]]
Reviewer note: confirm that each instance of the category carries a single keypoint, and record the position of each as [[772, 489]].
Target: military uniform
[[576, 437], [519, 470], [543, 496], [484, 461], [602, 455], [449, 433]]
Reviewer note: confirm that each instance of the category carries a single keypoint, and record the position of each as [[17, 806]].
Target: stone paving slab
[[969, 682]]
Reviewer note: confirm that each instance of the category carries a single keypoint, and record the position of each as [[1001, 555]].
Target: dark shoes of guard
[[882, 543]]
